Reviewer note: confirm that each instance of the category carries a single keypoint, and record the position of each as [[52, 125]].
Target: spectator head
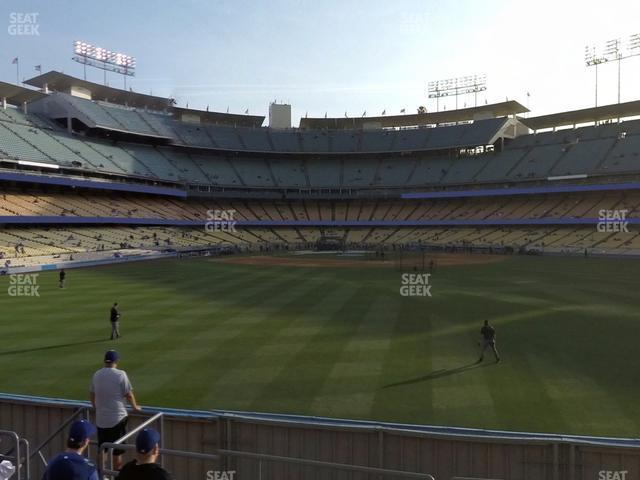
[[115, 304], [111, 358], [80, 434], [486, 323], [148, 444]]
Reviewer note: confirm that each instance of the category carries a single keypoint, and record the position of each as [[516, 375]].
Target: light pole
[[613, 51], [457, 86], [593, 60]]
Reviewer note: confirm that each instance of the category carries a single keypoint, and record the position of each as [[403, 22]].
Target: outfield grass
[[342, 342]]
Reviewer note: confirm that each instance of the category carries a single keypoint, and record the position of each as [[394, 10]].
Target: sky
[[333, 56]]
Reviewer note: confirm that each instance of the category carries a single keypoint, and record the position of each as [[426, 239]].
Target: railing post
[[88, 419], [380, 451], [18, 462], [572, 462], [27, 458], [162, 438], [17, 441]]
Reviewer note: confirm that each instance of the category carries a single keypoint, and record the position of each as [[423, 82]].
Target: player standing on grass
[[488, 339], [115, 321], [62, 275]]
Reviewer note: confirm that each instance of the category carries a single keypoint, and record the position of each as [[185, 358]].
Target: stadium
[[305, 302]]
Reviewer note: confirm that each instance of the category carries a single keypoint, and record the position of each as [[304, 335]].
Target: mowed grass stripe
[[261, 318], [401, 393], [350, 388], [242, 385], [579, 398], [198, 352], [296, 387]]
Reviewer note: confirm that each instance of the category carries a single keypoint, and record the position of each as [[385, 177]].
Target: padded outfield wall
[[441, 451]]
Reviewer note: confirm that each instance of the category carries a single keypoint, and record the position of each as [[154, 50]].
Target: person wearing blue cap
[[110, 390], [71, 464], [144, 467]]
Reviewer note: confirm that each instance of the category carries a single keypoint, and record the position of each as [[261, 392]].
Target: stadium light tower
[[612, 51], [104, 59], [593, 60], [456, 87]]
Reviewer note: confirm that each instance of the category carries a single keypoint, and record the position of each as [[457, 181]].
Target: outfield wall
[[441, 451], [107, 259]]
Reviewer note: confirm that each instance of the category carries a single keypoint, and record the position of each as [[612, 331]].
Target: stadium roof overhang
[[502, 109], [17, 95], [61, 82], [585, 115], [219, 118]]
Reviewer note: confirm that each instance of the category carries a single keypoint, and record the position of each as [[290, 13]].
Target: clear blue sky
[[334, 55]]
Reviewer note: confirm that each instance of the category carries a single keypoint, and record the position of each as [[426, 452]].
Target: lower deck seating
[[21, 242], [576, 205]]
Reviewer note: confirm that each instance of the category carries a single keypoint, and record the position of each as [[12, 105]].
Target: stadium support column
[[4, 103]]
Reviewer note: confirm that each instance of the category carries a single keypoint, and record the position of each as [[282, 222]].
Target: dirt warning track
[[317, 261]]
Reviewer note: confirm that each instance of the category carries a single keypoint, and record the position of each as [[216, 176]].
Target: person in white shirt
[[110, 390]]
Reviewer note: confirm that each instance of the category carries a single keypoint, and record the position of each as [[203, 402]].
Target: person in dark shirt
[[144, 467], [488, 334], [62, 275], [115, 322]]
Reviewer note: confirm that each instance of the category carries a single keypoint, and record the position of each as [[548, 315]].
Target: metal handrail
[[272, 458], [27, 458], [64, 425], [119, 443], [163, 451], [323, 464], [16, 449], [128, 435]]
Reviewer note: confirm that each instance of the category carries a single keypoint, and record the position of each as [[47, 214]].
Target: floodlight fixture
[[457, 86], [612, 50], [104, 59]]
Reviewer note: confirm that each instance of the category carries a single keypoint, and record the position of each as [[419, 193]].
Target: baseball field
[[323, 335]]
